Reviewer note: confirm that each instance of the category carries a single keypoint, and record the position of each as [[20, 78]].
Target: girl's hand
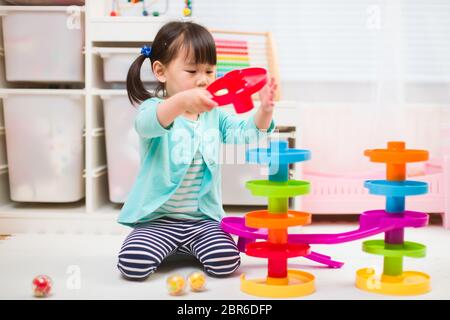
[[267, 94], [197, 100]]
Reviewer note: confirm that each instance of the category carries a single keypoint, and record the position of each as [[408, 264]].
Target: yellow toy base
[[299, 283], [409, 283]]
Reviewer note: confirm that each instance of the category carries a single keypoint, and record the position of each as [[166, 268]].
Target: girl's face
[[183, 74]]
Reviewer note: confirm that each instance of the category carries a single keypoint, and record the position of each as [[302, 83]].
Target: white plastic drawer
[[117, 62], [40, 47], [122, 146], [44, 142]]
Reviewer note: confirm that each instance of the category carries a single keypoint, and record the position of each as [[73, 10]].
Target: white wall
[[339, 46], [362, 71]]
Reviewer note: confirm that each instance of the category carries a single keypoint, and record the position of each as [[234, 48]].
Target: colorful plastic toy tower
[[395, 188], [280, 282]]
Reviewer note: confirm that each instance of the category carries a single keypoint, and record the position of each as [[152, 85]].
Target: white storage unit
[[122, 146], [43, 45], [44, 142], [117, 61]]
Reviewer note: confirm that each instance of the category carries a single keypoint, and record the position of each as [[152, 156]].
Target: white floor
[[83, 267]]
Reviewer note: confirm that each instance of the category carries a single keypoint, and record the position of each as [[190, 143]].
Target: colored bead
[[186, 12], [42, 286], [176, 285], [197, 281]]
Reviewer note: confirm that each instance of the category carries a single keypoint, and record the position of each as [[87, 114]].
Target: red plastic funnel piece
[[239, 86]]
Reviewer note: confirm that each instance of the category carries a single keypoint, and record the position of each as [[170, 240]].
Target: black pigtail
[[135, 87]]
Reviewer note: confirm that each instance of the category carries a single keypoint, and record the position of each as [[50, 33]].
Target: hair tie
[[146, 51]]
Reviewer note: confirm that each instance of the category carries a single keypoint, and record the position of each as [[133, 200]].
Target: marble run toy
[[231, 55], [395, 188], [272, 224]]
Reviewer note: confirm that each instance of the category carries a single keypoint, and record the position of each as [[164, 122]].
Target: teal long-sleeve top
[[166, 155]]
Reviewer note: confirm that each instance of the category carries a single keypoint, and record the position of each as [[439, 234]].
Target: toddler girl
[[175, 203]]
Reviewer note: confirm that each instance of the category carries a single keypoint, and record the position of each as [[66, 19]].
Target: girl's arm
[[169, 110], [238, 131], [156, 117], [146, 123], [235, 130], [194, 101], [263, 116]]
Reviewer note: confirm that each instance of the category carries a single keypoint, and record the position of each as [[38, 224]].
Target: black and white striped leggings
[[149, 244]]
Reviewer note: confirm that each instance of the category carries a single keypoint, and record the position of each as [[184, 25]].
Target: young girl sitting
[[175, 204]]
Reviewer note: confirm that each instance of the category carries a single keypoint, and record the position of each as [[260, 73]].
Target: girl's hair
[[170, 40]]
